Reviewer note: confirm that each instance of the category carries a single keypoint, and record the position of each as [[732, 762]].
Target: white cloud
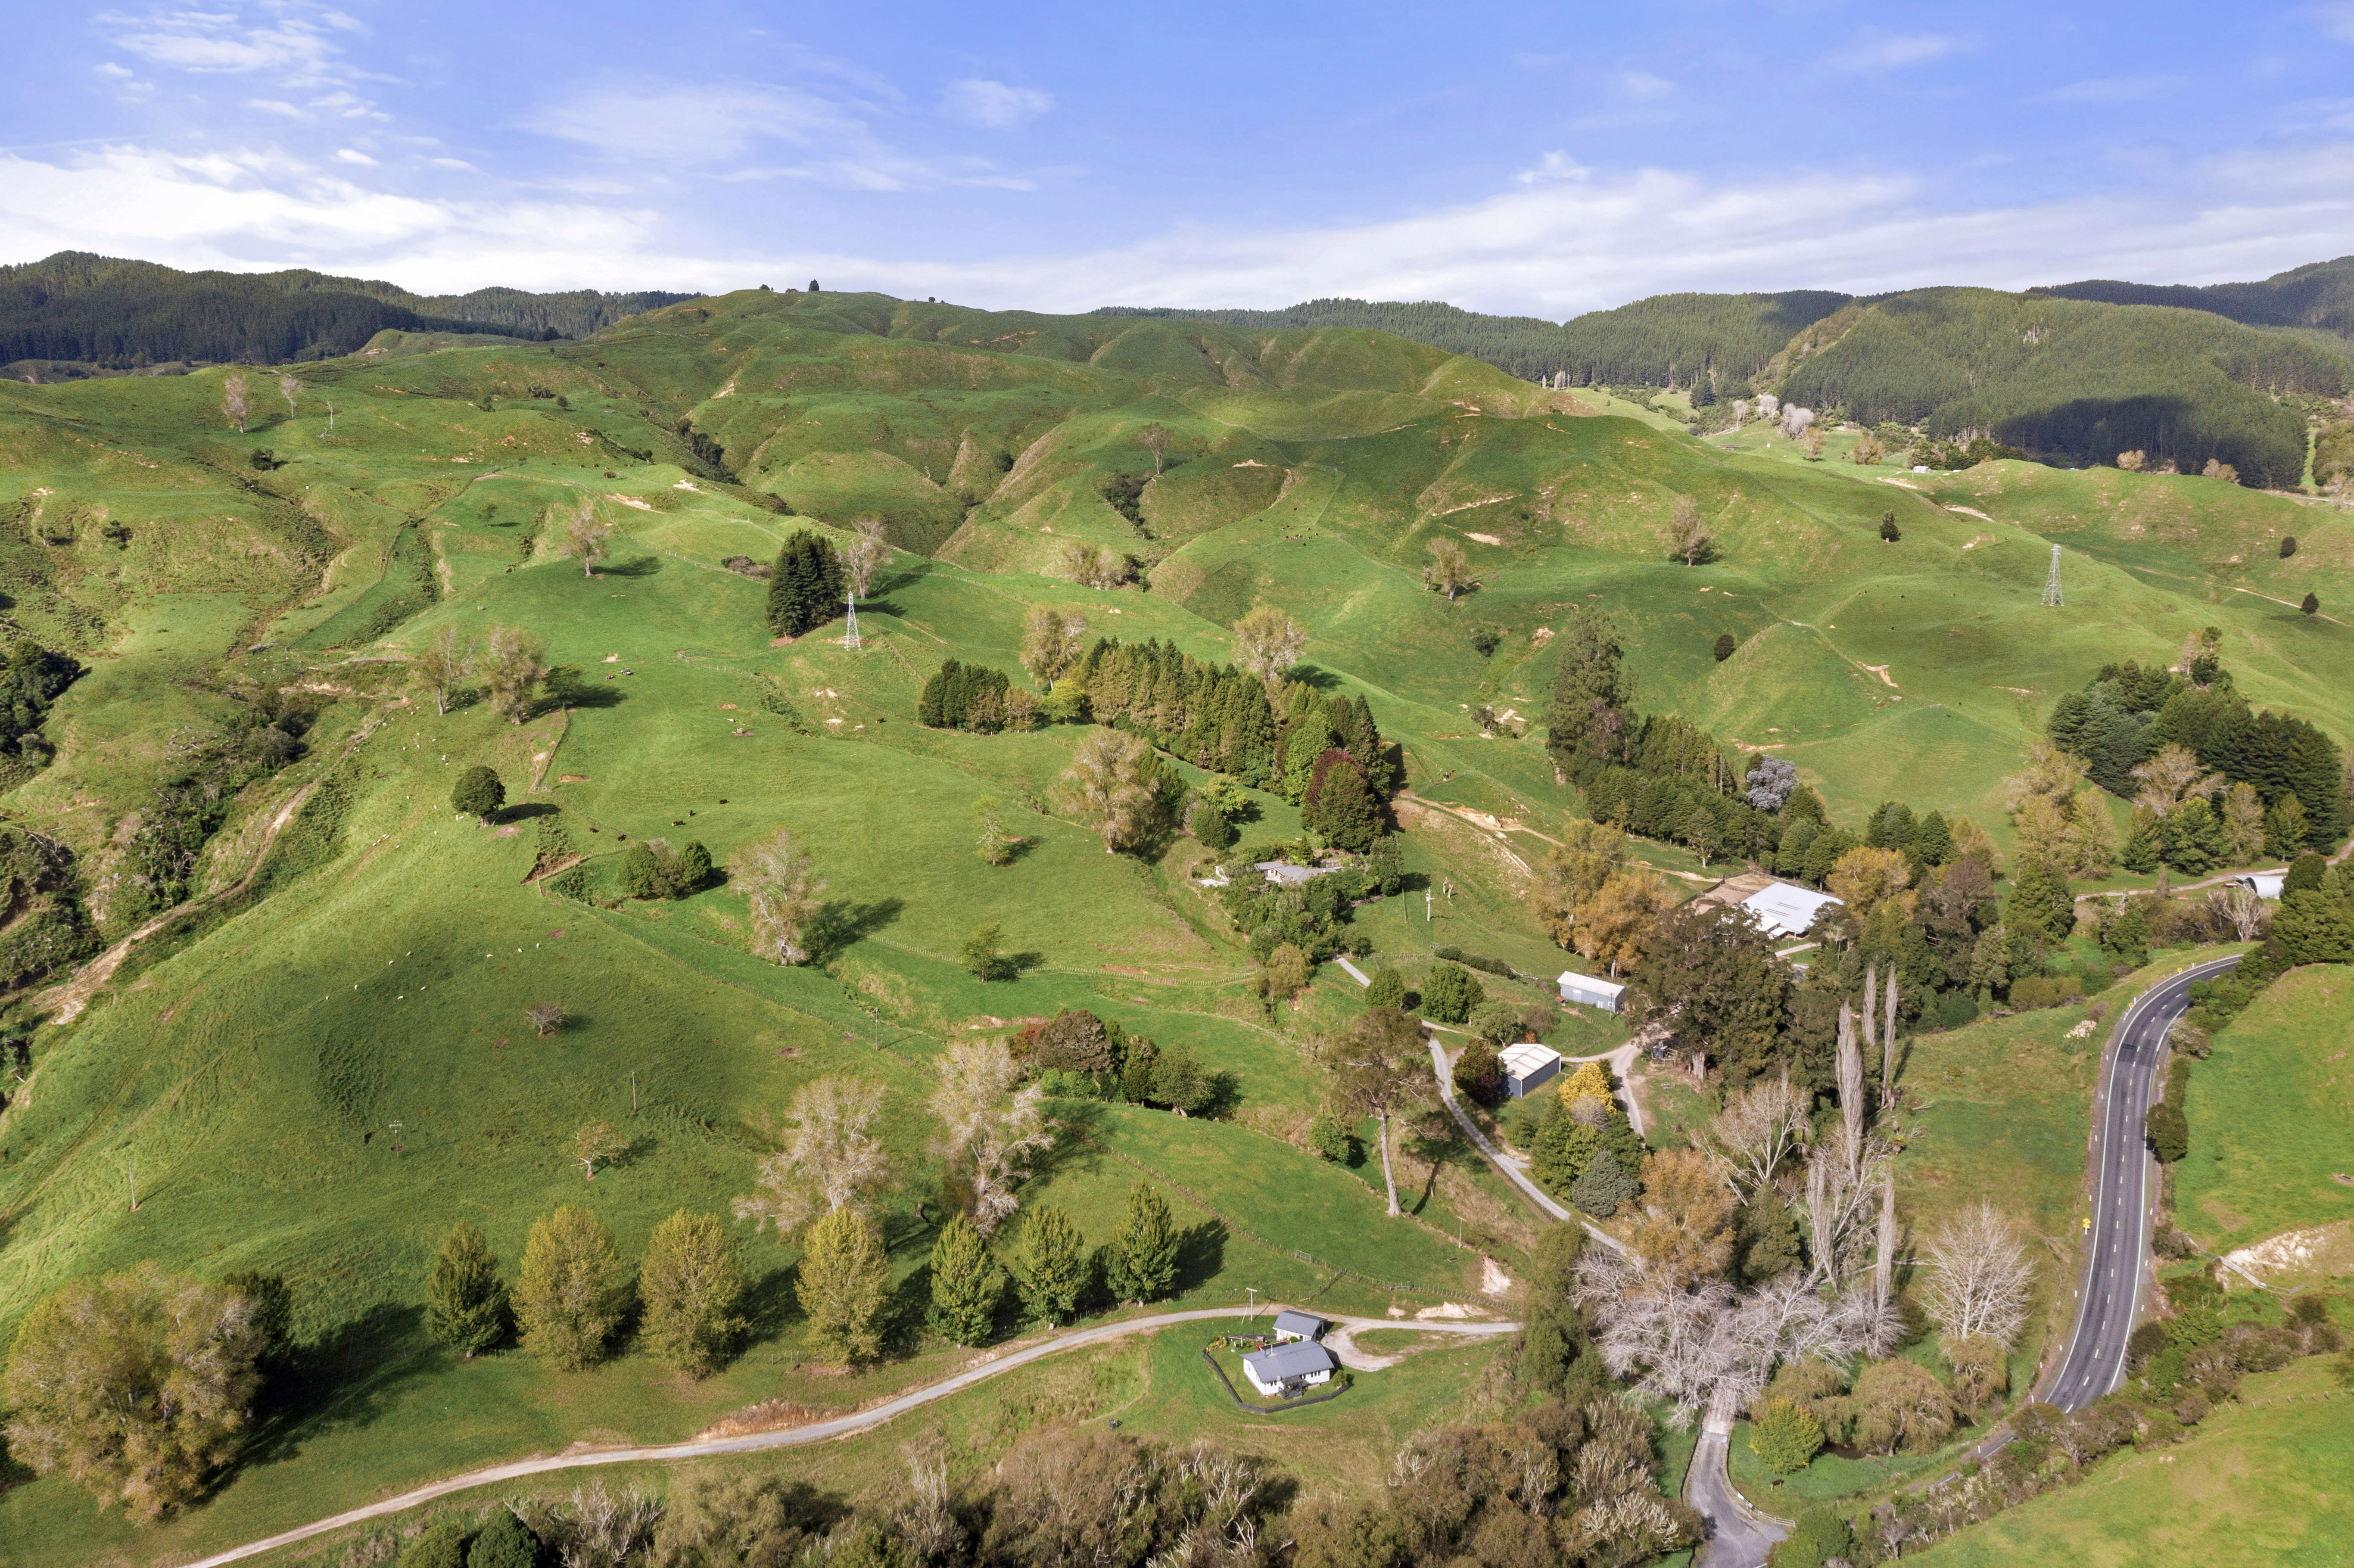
[[1642, 84], [111, 72], [276, 106], [354, 155], [1560, 240], [979, 102], [2111, 90], [252, 210], [287, 44], [2336, 19], [1874, 50], [700, 127], [1553, 166], [1564, 245], [696, 124]]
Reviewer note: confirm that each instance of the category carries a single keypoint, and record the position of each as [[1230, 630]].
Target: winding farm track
[[818, 1432]]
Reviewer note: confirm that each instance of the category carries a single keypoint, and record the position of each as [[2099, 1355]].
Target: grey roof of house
[[1300, 1358], [1306, 1324], [1289, 874]]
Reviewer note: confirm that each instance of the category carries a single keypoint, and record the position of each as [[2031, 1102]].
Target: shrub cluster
[[974, 697], [1078, 1056]]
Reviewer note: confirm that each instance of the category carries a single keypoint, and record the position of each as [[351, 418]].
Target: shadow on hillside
[[1311, 676], [568, 686], [635, 567], [339, 1384], [772, 1304], [525, 810], [841, 922], [1201, 1254]]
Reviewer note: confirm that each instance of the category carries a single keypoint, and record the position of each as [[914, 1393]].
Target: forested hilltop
[[2319, 295], [125, 314], [1527, 346]]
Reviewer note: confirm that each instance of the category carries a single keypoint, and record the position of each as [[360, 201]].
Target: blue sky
[[1547, 160]]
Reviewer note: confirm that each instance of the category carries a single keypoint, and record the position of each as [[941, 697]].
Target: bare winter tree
[[783, 891], [1051, 640], [1687, 536], [2172, 776], [442, 665], [585, 536], [1758, 1128], [1796, 421], [1449, 571], [989, 1124], [865, 556], [1105, 786], [1768, 406], [289, 387], [1674, 1340], [830, 1161], [1268, 643], [1156, 441], [235, 402], [2240, 904], [546, 1018], [1983, 1277], [1887, 1035], [513, 663], [1092, 566], [1849, 1064], [1883, 1265], [598, 1141]]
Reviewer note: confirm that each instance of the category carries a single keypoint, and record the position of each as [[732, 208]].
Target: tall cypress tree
[[805, 589], [1143, 1261], [965, 1284], [1050, 1268], [466, 1302]]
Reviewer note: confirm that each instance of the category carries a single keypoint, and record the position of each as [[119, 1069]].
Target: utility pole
[[2053, 598], [131, 1169], [633, 1091], [850, 638]]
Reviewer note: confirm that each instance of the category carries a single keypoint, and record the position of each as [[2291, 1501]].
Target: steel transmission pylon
[[850, 638], [2053, 598]]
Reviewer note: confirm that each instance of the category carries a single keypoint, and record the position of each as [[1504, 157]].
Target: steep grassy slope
[[2260, 1482], [2268, 1115]]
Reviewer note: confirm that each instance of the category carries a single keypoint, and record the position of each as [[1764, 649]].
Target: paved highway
[[2095, 1357]]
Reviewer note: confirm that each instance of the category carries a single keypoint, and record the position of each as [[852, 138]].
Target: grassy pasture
[[2268, 1115], [2261, 1481], [251, 1072]]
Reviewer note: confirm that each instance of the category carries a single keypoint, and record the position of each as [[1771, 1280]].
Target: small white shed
[[1587, 991], [2264, 884], [1528, 1068]]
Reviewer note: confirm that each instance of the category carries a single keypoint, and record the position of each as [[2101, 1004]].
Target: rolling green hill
[[341, 952]]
